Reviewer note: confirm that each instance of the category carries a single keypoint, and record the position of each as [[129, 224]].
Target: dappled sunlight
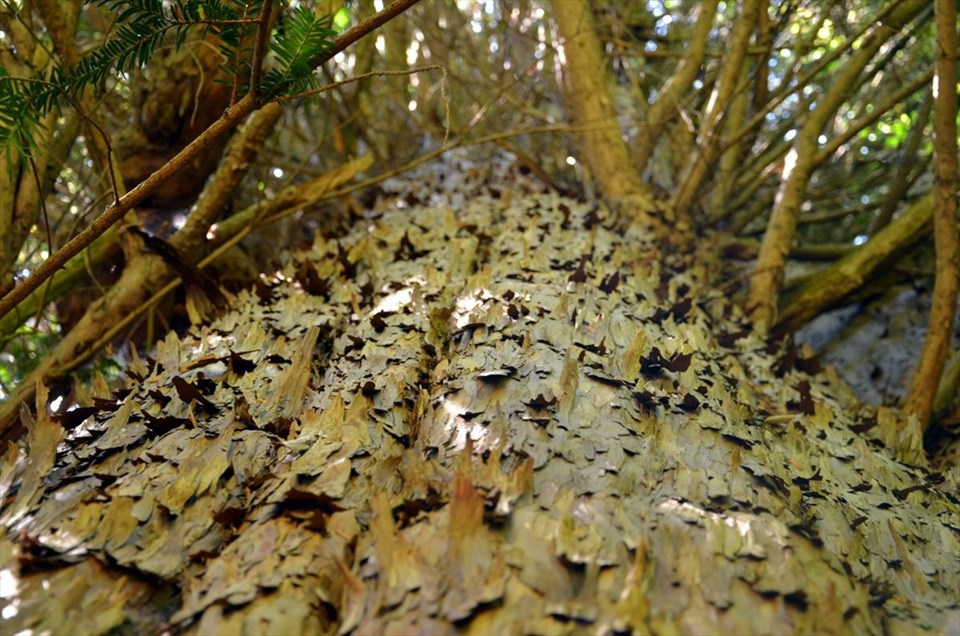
[[750, 528], [393, 302], [397, 300], [466, 304], [482, 336], [9, 593], [460, 429]]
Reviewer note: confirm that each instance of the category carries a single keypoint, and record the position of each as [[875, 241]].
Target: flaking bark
[[497, 416]]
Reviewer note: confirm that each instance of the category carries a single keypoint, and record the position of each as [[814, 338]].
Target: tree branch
[[230, 119], [919, 404], [260, 46]]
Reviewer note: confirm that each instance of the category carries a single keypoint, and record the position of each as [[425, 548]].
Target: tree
[[477, 404]]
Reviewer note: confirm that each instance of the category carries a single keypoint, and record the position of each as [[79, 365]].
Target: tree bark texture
[[497, 415]]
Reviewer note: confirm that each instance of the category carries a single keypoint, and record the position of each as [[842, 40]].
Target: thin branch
[[362, 28], [182, 22], [116, 210], [784, 91], [42, 200], [235, 83], [88, 118], [260, 46], [918, 406], [350, 80], [865, 120], [907, 168]]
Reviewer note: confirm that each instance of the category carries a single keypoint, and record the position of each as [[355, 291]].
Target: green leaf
[[301, 36]]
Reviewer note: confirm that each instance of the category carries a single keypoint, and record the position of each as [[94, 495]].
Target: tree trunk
[[504, 419]]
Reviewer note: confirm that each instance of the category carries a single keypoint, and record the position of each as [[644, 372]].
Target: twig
[[260, 46], [82, 113], [359, 30], [350, 80], [235, 83], [785, 90]]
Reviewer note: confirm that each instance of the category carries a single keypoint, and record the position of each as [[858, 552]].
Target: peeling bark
[[498, 416]]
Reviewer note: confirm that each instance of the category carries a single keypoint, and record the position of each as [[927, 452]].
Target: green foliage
[[144, 25], [22, 354], [16, 116], [302, 36]]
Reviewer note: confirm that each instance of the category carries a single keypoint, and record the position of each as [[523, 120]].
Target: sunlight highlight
[[9, 589], [748, 526], [789, 163], [466, 304], [460, 429]]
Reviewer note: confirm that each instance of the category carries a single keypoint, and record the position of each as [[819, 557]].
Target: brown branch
[[260, 45], [117, 209], [786, 89], [587, 100], [709, 136], [852, 271], [765, 284], [670, 97], [876, 113], [362, 28], [243, 150], [905, 166]]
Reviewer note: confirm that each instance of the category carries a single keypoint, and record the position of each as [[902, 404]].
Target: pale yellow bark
[[853, 270], [919, 404], [767, 278], [590, 105], [731, 162], [665, 107], [711, 129]]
